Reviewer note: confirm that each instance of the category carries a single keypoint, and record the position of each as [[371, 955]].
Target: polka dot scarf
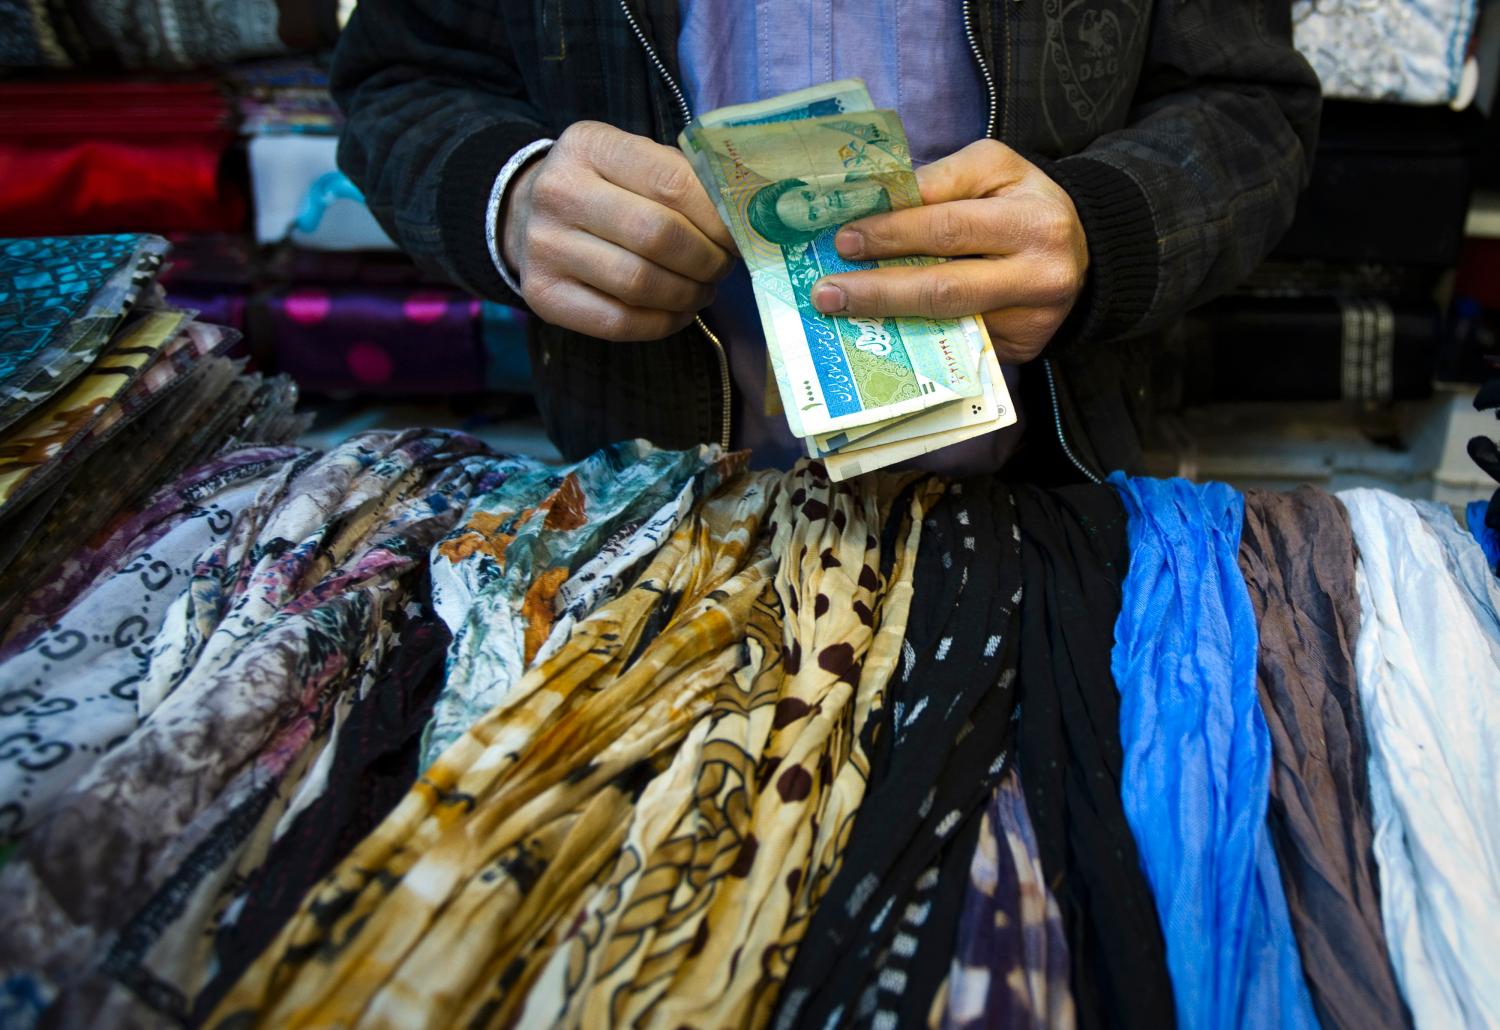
[[879, 945]]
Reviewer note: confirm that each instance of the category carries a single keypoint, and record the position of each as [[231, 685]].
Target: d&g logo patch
[[1091, 50]]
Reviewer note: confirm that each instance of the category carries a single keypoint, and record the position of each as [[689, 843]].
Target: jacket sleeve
[[435, 107], [1192, 193]]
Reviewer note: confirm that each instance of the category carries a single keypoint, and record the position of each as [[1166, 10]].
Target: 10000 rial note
[[843, 97], [784, 188]]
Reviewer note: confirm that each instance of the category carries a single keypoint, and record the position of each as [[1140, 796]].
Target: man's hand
[[612, 235], [1024, 250]]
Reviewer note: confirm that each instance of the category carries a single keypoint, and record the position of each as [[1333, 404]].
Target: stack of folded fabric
[[106, 393], [292, 124], [90, 156], [285, 95], [347, 322], [340, 311], [163, 35]]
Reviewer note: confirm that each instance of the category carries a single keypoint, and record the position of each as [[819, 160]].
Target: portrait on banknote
[[795, 211]]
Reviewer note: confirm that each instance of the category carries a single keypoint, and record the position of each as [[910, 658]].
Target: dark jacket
[[1182, 130]]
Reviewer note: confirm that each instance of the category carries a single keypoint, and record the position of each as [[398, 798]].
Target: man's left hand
[[1023, 255]]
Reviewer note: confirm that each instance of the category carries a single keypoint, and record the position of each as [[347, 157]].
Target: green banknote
[[991, 407], [842, 97], [785, 183]]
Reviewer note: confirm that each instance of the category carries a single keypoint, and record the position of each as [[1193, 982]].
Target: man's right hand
[[614, 236]]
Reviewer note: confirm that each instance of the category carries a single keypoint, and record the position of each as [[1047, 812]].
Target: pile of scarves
[[342, 324], [410, 733], [106, 395]]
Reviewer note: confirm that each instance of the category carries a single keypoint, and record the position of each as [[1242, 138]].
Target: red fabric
[[94, 157], [1479, 272]]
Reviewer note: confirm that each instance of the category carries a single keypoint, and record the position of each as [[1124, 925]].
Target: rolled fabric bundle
[[372, 340], [1427, 661], [106, 155], [164, 34], [1074, 555]]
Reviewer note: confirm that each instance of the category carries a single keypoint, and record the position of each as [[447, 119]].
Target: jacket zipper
[[984, 68], [725, 393], [989, 130], [992, 95]]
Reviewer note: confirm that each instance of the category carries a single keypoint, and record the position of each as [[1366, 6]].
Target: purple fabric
[[392, 342], [213, 308], [914, 58], [912, 54], [1010, 965]]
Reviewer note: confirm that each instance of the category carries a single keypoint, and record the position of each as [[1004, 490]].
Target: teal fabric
[[515, 565], [61, 300]]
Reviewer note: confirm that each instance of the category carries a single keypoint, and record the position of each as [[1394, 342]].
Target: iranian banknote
[[990, 408], [785, 173], [784, 187]]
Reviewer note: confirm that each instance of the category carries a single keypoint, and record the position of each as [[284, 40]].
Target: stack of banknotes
[[862, 393]]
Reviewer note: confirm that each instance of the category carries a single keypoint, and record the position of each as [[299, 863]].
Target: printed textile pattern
[[1075, 552], [1011, 966], [72, 693], [733, 845], [281, 621], [165, 34], [701, 730], [48, 285], [1196, 777], [1407, 51], [108, 523], [379, 339], [881, 941], [192, 343], [61, 299], [498, 575], [1427, 661], [1297, 557], [613, 567], [34, 448], [370, 767]]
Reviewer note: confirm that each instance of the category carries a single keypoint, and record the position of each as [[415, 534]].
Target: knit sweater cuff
[[467, 179], [1121, 234]]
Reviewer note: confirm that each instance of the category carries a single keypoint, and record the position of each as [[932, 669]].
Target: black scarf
[[1074, 555]]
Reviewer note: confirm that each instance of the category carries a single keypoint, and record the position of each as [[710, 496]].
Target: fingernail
[[849, 243], [828, 298]]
